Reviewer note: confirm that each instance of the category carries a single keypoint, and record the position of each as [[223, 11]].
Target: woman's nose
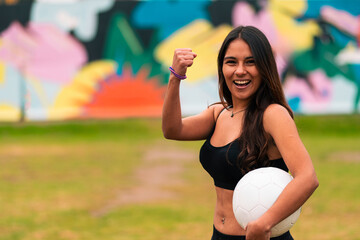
[[240, 70]]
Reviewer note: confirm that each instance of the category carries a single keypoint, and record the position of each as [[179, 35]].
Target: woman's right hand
[[183, 58]]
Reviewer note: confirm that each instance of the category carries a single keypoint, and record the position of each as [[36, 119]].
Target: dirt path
[[161, 167], [352, 157]]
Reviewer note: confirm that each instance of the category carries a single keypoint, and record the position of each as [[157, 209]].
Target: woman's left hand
[[255, 230]]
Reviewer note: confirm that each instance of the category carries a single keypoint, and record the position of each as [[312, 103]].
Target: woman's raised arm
[[173, 125]]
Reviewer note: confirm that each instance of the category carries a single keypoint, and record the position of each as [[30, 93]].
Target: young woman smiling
[[251, 127]]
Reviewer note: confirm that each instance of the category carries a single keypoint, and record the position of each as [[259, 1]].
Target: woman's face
[[240, 72]]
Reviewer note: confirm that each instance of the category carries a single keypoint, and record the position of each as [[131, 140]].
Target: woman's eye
[[230, 62], [250, 62]]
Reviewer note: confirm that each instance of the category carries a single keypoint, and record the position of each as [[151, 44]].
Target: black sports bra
[[220, 163]]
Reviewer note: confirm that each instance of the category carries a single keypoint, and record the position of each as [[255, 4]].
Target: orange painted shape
[[127, 96]]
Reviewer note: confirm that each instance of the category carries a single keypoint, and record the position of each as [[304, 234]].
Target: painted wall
[[66, 59]]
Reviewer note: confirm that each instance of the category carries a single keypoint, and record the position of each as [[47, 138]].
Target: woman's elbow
[[313, 182], [309, 181], [168, 133]]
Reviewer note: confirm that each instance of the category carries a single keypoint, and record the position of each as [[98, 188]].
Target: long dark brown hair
[[253, 139]]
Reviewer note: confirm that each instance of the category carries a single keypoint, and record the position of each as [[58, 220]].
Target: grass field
[[121, 180]]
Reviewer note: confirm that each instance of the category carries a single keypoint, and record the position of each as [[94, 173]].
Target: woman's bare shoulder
[[276, 111], [276, 114], [216, 108]]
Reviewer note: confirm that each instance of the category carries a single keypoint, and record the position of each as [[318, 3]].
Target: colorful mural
[[80, 59]]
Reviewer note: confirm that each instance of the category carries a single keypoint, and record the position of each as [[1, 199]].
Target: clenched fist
[[183, 58]]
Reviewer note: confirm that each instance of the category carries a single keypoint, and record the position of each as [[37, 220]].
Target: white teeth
[[242, 81]]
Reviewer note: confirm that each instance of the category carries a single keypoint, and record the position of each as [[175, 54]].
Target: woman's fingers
[[183, 58]]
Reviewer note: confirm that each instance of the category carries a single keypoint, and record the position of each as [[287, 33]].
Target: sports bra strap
[[219, 114], [212, 132]]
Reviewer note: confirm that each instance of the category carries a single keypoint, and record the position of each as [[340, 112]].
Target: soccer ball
[[256, 192]]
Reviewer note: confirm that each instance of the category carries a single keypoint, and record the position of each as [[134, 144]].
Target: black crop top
[[214, 161]]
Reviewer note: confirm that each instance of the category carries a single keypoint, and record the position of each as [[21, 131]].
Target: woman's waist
[[224, 218], [225, 222], [224, 197]]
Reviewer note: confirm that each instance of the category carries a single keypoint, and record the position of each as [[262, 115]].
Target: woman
[[252, 127]]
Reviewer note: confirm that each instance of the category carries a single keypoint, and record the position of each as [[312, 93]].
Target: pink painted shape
[[316, 97], [341, 19], [42, 51], [10, 50], [244, 14]]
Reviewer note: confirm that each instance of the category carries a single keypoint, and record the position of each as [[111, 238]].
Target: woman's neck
[[239, 105]]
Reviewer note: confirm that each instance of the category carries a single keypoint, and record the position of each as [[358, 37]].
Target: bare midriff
[[224, 218]]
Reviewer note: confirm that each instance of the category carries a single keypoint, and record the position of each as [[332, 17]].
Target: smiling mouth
[[242, 83]]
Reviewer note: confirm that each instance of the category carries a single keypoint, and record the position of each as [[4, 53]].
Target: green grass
[[54, 177], [334, 145]]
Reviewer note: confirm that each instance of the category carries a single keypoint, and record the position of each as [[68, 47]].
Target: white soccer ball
[[256, 192]]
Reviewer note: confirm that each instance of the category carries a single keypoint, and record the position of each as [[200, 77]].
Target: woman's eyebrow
[[231, 57]]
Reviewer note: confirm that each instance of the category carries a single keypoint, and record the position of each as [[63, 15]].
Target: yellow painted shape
[[9, 113], [299, 35], [351, 47], [57, 114], [72, 97], [293, 8], [203, 39], [94, 72]]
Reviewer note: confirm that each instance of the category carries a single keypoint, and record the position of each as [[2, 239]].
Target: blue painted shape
[[341, 39], [351, 6], [294, 103], [168, 16], [79, 16], [11, 88]]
